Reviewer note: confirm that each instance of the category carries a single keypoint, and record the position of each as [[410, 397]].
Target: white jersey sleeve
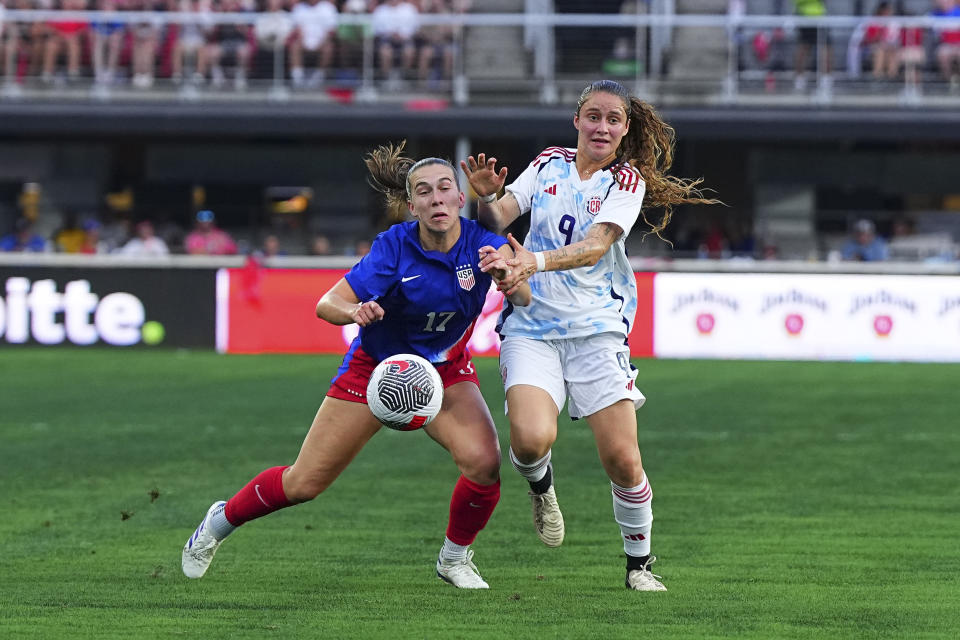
[[622, 205]]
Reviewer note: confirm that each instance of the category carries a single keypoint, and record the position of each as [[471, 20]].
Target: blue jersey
[[430, 299]]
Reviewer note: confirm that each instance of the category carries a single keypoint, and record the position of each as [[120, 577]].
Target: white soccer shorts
[[594, 372]]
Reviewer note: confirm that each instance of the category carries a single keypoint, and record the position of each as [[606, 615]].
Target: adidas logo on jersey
[[552, 190]]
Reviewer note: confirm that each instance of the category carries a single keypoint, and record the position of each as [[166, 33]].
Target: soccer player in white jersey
[[582, 203]]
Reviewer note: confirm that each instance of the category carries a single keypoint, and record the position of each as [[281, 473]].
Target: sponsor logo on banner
[[947, 305], [701, 297], [793, 323], [594, 204], [883, 325], [465, 277], [79, 316], [883, 322], [705, 323], [884, 298]]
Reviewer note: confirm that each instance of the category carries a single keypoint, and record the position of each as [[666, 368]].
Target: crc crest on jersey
[[594, 204], [465, 277]]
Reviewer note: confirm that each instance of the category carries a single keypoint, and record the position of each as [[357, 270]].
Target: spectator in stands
[[361, 248], [880, 40], [911, 54], [207, 239], [864, 245], [273, 27], [320, 245], [394, 25], [191, 38], [811, 39], [146, 244], [24, 239], [23, 44], [316, 24], [437, 42], [350, 38], [116, 229], [69, 237], [92, 243], [65, 36], [146, 39], [231, 41], [107, 40], [270, 247], [948, 43]]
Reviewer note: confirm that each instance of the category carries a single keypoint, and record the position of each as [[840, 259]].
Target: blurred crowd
[[884, 47], [306, 39], [119, 235]]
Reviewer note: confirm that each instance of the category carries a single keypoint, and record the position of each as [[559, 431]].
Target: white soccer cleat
[[199, 550], [547, 517], [643, 579], [463, 574]]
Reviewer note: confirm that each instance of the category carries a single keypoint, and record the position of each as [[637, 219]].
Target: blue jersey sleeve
[[376, 272]]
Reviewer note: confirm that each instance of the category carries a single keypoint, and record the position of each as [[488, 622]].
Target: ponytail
[[390, 175]]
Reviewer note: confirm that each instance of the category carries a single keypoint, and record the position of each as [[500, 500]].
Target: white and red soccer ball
[[405, 392]]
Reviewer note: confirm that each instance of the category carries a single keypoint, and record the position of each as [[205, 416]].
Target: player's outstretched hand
[[523, 264], [367, 313], [482, 174]]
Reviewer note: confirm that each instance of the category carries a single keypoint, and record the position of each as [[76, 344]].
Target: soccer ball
[[405, 392]]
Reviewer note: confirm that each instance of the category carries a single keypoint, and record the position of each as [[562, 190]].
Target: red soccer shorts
[[351, 385]]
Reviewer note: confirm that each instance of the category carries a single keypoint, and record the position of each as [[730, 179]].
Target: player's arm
[[499, 214], [521, 295], [583, 253], [494, 262], [494, 214], [340, 305]]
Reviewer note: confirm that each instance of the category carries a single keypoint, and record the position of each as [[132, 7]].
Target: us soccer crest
[[465, 277], [594, 204]]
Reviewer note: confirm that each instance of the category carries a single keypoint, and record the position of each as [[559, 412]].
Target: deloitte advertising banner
[[114, 307], [807, 317], [274, 310]]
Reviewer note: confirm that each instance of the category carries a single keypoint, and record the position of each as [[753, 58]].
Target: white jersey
[[586, 300]]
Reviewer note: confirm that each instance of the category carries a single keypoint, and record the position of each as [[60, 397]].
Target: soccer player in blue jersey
[[582, 203], [419, 290]]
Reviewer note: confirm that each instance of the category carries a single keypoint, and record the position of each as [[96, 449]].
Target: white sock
[[453, 552], [534, 471], [633, 513], [219, 524]]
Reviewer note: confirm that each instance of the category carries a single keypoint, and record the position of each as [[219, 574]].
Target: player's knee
[[624, 468], [482, 467], [530, 443]]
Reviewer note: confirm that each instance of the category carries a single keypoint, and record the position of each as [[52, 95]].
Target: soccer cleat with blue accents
[[198, 552]]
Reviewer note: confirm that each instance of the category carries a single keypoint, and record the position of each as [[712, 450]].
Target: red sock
[[262, 495], [470, 508]]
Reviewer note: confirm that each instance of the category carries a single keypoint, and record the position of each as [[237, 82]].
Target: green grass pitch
[[792, 500]]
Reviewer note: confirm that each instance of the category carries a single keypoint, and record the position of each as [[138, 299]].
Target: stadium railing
[[559, 53], [110, 261]]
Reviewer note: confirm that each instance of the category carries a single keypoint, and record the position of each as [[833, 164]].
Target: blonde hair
[[390, 173], [648, 147]]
